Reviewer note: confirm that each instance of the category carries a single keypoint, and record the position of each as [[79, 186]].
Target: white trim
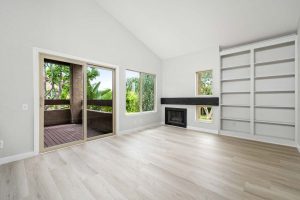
[[141, 128], [252, 95], [204, 130], [36, 53], [36, 100], [297, 92], [140, 113], [193, 128], [258, 138], [260, 44], [16, 157], [298, 147]]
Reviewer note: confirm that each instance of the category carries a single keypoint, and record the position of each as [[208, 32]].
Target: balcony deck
[[62, 125], [61, 134]]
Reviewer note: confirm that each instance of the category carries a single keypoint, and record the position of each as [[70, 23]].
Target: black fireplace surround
[[176, 116]]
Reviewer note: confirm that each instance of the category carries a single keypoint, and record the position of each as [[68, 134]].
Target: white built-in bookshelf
[[258, 91]]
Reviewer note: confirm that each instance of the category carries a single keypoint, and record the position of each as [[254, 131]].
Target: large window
[[204, 82], [140, 92]]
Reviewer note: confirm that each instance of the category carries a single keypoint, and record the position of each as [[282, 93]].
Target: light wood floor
[[161, 163]]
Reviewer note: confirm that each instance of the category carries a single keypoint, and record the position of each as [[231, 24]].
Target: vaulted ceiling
[[176, 27]]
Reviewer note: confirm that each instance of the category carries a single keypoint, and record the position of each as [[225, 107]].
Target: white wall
[[75, 27], [179, 80], [298, 136]]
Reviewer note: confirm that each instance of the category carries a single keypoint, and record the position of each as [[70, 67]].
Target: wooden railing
[[49, 102], [68, 102], [100, 102]]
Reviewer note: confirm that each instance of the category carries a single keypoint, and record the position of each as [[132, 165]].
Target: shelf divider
[[234, 105], [235, 67], [275, 123], [235, 79], [233, 92], [275, 76], [235, 119], [276, 91], [275, 61], [274, 107]]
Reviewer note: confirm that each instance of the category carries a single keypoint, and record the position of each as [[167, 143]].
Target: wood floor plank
[[159, 163]]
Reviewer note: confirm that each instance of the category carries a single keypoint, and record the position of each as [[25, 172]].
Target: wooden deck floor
[[160, 164], [61, 134]]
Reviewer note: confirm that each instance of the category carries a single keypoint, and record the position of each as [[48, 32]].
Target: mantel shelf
[[212, 101]]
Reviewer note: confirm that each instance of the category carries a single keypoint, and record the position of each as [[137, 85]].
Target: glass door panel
[[63, 103], [99, 101]]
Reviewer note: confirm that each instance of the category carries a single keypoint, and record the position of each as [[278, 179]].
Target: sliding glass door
[[99, 96], [76, 102]]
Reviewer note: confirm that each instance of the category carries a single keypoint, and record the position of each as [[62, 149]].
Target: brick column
[[76, 94]]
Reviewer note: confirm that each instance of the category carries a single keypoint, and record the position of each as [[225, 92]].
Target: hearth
[[175, 116]]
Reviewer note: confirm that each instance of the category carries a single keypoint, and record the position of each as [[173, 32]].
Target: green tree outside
[[205, 82]]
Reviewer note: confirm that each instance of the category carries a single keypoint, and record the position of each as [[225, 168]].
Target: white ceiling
[[176, 27]]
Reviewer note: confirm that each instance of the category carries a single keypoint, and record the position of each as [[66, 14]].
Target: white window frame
[[141, 106], [198, 113], [197, 85]]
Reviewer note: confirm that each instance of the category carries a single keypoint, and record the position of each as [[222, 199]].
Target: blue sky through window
[[105, 78]]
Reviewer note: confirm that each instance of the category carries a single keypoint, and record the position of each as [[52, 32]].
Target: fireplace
[[175, 117]]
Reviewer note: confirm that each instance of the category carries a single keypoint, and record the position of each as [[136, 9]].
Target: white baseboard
[[202, 129], [259, 138], [17, 157], [139, 128], [193, 128]]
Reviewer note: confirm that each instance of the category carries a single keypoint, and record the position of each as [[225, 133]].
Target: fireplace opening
[[175, 116]]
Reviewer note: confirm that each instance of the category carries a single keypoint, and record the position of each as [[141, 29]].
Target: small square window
[[204, 113], [204, 82]]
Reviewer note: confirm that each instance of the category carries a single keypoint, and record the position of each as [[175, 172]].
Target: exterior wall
[[100, 121], [79, 28], [179, 80], [56, 117], [77, 94]]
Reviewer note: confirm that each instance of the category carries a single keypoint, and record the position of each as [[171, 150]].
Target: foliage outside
[[94, 93], [58, 86], [144, 84], [140, 91], [148, 84], [133, 94], [205, 82], [205, 113]]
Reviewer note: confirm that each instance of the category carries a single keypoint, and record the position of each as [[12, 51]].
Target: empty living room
[[150, 99]]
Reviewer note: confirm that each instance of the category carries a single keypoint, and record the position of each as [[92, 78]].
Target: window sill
[[205, 121], [198, 95], [140, 113]]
